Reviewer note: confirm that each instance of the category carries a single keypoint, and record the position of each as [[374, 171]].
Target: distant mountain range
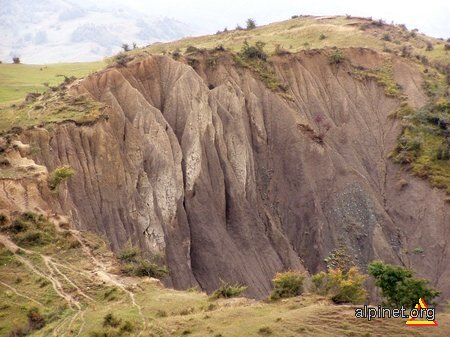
[[63, 31]]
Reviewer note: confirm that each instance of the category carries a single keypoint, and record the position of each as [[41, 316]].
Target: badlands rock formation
[[230, 180]]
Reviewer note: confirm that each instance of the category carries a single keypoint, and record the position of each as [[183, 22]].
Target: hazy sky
[[429, 16]]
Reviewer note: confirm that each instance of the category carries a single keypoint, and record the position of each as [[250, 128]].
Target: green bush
[[143, 268], [122, 59], [59, 175], [336, 56], [342, 287], [111, 321], [191, 49], [129, 253], [35, 320], [134, 263], [287, 284], [228, 290], [251, 24], [408, 148], [127, 326], [32, 238], [399, 287], [18, 226], [322, 36], [253, 52]]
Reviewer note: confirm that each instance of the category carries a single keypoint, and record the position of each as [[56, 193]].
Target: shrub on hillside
[[386, 37], [191, 49], [408, 149], [122, 59], [399, 287], [342, 287], [251, 24], [35, 320], [111, 320], [59, 175], [287, 284], [322, 36], [16, 60], [228, 290], [443, 152], [113, 327], [134, 263], [280, 51], [406, 51], [176, 54], [253, 52], [32, 238], [336, 56]]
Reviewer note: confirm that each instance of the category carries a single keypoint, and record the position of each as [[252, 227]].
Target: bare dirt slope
[[229, 180]]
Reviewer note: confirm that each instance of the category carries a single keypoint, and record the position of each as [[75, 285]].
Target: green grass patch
[[384, 76], [16, 80], [59, 175], [254, 58], [424, 144], [53, 106]]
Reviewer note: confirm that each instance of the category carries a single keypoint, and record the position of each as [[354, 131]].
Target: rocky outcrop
[[232, 181]]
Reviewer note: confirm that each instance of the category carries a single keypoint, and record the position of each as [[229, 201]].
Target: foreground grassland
[[55, 281], [16, 80]]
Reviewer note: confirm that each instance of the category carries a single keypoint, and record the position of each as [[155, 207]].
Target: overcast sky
[[431, 17]]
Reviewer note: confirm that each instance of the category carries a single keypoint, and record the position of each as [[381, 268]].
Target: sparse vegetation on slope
[[254, 58], [54, 106], [383, 76], [424, 145], [305, 32]]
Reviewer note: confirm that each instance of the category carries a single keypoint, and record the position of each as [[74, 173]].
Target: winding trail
[[55, 274], [20, 294], [102, 273], [49, 276]]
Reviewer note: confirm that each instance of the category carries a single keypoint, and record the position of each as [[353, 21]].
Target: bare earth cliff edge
[[227, 179]]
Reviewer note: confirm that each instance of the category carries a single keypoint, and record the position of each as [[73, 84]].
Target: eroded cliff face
[[229, 180]]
